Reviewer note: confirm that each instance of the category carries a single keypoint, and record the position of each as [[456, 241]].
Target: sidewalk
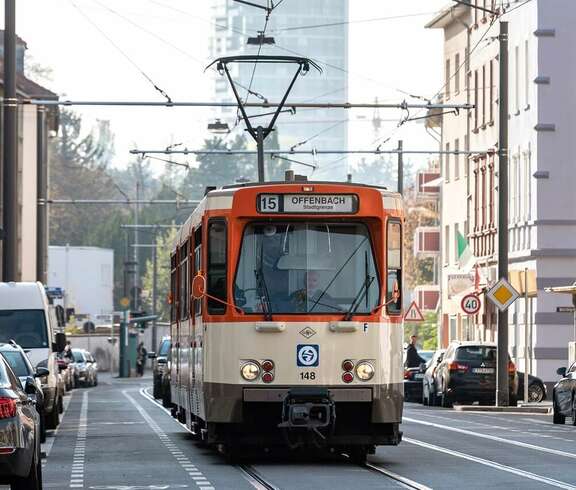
[[543, 408]]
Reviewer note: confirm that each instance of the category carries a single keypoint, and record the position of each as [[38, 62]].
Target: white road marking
[[77, 472], [492, 464], [525, 445], [178, 455]]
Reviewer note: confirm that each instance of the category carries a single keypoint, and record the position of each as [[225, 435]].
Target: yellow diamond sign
[[502, 294]]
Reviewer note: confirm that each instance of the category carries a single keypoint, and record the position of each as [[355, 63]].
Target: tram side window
[[394, 265], [184, 281], [173, 289], [197, 265], [216, 270]]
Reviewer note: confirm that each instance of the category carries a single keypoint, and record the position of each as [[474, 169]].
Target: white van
[[27, 318]]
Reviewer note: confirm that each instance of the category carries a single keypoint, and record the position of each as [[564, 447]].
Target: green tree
[[427, 331], [163, 248]]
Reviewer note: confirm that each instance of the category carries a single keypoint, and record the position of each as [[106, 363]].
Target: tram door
[[196, 327]]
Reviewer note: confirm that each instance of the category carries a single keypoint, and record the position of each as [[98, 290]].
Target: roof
[[447, 15], [22, 296], [465, 343], [28, 88]]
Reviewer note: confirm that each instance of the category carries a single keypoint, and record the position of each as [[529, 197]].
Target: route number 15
[[269, 204]]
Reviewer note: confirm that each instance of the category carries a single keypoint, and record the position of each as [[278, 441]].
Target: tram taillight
[[267, 366], [347, 365], [347, 377], [267, 377]]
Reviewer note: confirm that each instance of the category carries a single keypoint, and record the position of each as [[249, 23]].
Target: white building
[[235, 23], [86, 274], [542, 173]]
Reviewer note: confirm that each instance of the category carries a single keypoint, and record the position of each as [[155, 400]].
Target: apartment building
[[542, 203]]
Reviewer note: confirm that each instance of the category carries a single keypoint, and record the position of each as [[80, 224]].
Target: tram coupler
[[308, 408]]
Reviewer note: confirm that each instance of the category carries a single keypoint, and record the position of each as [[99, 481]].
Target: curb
[[518, 410]]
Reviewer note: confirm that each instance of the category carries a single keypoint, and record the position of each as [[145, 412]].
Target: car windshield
[[306, 267], [26, 327], [17, 363], [78, 356], [164, 348], [476, 353]]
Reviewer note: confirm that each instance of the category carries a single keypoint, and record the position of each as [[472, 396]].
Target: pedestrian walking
[[413, 359], [141, 354]]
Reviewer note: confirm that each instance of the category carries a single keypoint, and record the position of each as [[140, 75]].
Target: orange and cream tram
[[286, 317]]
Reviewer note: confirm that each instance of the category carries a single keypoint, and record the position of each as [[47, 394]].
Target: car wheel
[[513, 401], [433, 401], [535, 393], [445, 401], [33, 481], [95, 380], [60, 405], [42, 426], [557, 417], [573, 418], [425, 396], [52, 419]]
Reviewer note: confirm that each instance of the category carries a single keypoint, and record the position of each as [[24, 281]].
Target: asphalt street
[[114, 436]]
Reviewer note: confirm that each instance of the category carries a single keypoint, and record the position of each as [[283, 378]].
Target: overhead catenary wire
[[121, 51]]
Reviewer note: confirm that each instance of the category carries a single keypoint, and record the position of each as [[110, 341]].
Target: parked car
[[564, 396], [536, 388], [20, 464], [467, 374], [27, 318], [21, 366], [67, 369], [413, 378], [428, 381], [85, 367], [158, 363]]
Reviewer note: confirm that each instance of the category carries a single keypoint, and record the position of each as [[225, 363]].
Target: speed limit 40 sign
[[470, 304]]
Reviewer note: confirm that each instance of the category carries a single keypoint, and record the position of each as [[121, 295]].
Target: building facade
[[542, 203], [235, 23], [35, 125]]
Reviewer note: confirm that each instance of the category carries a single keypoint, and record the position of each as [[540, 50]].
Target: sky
[[98, 49]]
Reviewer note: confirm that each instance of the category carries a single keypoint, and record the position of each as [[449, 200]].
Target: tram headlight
[[365, 371], [250, 371]]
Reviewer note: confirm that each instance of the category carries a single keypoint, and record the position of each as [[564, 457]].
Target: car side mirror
[[30, 387], [41, 371], [152, 355], [561, 371]]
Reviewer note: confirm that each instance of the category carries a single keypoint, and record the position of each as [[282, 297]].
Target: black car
[[467, 374], [21, 367], [413, 377], [159, 362], [20, 464], [428, 382], [564, 396], [536, 388]]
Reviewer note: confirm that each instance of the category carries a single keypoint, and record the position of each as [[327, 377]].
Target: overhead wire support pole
[[10, 149], [502, 388], [400, 168]]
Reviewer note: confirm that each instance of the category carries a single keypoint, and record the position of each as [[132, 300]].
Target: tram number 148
[[308, 375]]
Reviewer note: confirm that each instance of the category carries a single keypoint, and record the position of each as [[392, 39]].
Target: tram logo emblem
[[307, 332], [307, 355]]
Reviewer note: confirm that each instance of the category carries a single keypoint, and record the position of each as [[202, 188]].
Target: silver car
[[86, 368]]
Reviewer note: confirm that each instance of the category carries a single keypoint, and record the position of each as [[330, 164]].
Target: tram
[[286, 317]]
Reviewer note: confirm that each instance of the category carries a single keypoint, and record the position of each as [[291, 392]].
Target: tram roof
[[213, 198]]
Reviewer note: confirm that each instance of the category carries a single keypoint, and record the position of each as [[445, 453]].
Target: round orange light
[[347, 377], [267, 377], [347, 365], [267, 365]]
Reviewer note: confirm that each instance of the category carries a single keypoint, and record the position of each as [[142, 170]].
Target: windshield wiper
[[357, 299], [338, 273], [262, 291]]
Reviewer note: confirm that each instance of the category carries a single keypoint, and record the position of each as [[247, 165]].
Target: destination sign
[[307, 203]]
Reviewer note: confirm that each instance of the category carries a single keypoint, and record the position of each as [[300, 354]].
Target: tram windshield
[[307, 267]]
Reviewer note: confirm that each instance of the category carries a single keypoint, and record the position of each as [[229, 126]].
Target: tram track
[[259, 482]]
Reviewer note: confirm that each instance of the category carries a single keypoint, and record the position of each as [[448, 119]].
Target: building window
[[456, 159], [528, 166], [491, 91], [483, 95], [457, 74], [476, 99], [466, 158], [517, 80], [447, 79], [447, 244], [447, 163], [456, 231], [527, 73], [483, 194]]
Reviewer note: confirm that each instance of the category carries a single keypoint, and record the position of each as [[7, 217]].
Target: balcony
[[427, 242]]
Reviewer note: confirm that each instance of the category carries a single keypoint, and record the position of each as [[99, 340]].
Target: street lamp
[[218, 127]]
